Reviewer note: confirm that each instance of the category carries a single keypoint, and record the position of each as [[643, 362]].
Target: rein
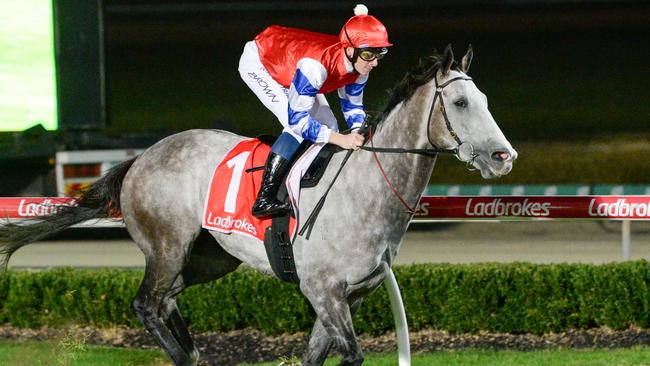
[[433, 152], [410, 210]]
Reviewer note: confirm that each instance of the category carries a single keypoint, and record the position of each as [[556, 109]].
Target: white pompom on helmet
[[364, 31]]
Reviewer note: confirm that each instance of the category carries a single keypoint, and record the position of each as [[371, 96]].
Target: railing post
[[626, 239], [401, 327]]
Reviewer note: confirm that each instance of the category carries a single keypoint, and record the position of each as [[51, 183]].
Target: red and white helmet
[[364, 31]]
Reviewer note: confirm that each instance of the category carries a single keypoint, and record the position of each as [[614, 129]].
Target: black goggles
[[371, 54]]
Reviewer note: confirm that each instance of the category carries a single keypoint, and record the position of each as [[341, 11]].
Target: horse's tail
[[100, 200]]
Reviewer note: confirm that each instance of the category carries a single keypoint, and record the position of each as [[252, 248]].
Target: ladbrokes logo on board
[[620, 208], [45, 208], [497, 207]]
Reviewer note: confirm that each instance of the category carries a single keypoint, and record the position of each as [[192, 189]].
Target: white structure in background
[[76, 170]]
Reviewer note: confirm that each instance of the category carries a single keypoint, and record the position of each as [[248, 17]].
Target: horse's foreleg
[[319, 345], [333, 311], [335, 324], [320, 342]]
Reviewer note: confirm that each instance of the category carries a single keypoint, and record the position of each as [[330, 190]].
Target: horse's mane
[[423, 73]]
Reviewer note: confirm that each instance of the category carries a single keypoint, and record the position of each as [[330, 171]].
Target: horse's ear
[[448, 58], [467, 59]]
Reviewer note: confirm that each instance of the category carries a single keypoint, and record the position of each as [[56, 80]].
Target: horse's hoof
[[290, 361], [194, 357]]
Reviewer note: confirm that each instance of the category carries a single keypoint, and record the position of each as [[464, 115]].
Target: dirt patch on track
[[249, 345]]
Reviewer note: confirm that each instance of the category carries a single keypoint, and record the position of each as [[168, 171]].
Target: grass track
[[76, 354], [636, 356]]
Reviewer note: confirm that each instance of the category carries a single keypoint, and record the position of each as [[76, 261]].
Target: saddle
[[277, 240], [317, 167]]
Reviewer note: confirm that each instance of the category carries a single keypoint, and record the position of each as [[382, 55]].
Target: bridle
[[464, 151], [458, 150], [461, 148]]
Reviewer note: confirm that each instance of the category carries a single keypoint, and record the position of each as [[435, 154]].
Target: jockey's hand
[[352, 140]]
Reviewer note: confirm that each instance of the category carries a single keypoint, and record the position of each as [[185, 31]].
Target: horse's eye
[[462, 103]]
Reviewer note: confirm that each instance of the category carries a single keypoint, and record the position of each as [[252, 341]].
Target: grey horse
[[160, 195]]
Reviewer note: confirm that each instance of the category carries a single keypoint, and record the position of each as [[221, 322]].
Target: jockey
[[290, 70]]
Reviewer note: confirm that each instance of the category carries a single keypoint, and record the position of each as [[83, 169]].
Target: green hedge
[[517, 298]]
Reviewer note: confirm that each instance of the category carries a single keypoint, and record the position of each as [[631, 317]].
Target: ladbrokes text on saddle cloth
[[233, 191]]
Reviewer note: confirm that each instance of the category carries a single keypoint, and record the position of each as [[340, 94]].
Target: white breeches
[[274, 96]]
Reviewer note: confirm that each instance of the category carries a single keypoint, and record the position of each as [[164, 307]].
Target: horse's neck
[[363, 219], [404, 127]]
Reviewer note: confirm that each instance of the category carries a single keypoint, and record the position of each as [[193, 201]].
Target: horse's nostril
[[500, 155]]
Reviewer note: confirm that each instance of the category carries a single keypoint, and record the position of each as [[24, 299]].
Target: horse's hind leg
[[208, 261], [148, 302], [170, 269], [175, 322], [165, 247]]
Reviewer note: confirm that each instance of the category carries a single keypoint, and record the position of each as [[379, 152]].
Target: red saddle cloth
[[233, 191]]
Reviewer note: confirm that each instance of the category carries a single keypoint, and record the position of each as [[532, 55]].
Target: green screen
[[27, 74]]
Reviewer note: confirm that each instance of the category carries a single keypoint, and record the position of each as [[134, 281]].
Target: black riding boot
[[267, 202]]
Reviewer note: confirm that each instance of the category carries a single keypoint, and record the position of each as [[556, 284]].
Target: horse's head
[[461, 119]]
